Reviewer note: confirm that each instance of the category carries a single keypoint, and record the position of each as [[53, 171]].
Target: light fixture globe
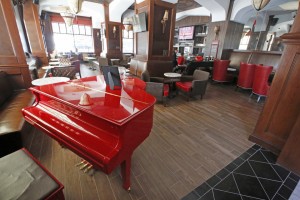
[[259, 4]]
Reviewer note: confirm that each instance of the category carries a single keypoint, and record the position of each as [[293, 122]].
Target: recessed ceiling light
[[293, 5]]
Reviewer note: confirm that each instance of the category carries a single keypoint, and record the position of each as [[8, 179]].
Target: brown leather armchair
[[194, 85]]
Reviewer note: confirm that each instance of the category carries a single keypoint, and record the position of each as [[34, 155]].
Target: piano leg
[[125, 171]]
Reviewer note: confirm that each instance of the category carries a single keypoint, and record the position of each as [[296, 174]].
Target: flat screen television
[[186, 33], [139, 22]]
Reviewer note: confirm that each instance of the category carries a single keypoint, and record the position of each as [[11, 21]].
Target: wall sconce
[[18, 2], [165, 19], [259, 4], [217, 30], [114, 31]]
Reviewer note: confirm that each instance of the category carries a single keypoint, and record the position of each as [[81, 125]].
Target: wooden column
[[113, 34], [97, 41], [12, 57], [278, 126], [154, 45], [228, 37], [33, 28]]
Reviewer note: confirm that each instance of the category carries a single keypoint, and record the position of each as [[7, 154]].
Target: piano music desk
[[104, 133]]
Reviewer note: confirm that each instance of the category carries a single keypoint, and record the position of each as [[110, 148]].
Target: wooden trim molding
[[34, 32]]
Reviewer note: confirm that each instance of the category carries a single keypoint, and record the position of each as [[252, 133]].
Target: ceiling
[[242, 12], [184, 5]]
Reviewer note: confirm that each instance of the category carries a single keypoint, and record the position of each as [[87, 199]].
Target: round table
[[49, 80], [48, 67], [172, 75]]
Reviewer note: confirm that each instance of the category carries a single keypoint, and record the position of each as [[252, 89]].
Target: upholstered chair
[[196, 85], [220, 73], [76, 64], [156, 87], [246, 75], [260, 83]]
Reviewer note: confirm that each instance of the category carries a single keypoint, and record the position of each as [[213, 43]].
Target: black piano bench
[[23, 177]]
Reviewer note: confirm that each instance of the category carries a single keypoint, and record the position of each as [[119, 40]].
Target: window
[[244, 41], [127, 41], [73, 37]]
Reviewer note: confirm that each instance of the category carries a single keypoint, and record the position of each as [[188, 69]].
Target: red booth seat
[[246, 75]]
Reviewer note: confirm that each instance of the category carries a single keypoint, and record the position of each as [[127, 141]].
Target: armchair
[[156, 87], [194, 85]]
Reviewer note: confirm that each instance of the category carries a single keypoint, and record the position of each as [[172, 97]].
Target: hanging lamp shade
[[68, 18], [75, 5], [259, 4]]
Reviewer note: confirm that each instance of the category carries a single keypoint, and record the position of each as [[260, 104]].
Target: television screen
[[139, 22], [186, 33]]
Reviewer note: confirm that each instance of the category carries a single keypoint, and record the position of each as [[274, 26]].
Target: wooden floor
[[189, 142]]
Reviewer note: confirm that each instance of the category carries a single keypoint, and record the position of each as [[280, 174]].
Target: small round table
[[172, 77], [49, 80]]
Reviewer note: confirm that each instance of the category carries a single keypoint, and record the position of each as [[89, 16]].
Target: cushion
[[185, 86], [11, 118], [6, 89], [22, 178]]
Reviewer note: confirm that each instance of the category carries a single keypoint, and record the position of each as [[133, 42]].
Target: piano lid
[[117, 106]]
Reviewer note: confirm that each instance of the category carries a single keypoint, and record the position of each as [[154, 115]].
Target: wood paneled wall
[[278, 126], [97, 41], [229, 36], [12, 57], [193, 20], [33, 28], [156, 46]]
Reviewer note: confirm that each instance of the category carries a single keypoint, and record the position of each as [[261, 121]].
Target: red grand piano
[[104, 133]]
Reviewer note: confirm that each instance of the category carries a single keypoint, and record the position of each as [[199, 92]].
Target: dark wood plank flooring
[[189, 142]]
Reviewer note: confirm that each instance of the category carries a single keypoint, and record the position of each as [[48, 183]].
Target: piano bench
[[23, 177]]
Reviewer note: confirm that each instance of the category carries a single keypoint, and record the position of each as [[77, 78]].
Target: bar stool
[[246, 75], [23, 177], [220, 71], [260, 83]]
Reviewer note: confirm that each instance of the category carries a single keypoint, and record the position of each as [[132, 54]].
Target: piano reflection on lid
[[104, 133]]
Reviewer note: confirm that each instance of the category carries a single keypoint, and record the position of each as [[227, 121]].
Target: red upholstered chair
[[180, 60], [196, 85], [198, 58], [246, 75], [220, 71], [260, 83]]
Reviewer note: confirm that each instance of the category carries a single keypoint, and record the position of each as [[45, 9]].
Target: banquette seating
[[12, 123], [137, 68], [260, 83], [194, 85]]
